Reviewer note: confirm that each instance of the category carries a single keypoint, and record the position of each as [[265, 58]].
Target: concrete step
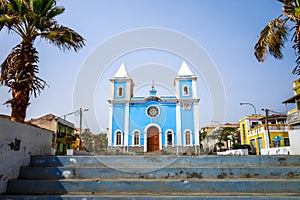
[[153, 186], [146, 172], [163, 161], [190, 196], [157, 177]]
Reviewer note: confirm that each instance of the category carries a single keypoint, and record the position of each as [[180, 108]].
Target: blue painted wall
[[139, 119], [187, 122], [118, 120]]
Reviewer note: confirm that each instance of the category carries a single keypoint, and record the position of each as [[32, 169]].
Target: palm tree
[[275, 34], [30, 19]]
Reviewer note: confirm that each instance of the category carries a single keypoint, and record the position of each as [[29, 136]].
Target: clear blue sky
[[226, 29]]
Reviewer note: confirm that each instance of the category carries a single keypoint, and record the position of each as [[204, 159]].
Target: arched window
[[136, 138], [188, 137], [169, 138], [118, 138], [185, 90], [120, 91]]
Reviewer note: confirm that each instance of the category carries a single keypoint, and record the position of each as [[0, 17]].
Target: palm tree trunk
[[19, 104], [22, 73]]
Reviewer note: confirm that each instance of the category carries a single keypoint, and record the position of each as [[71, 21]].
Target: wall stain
[[222, 175], [194, 175]]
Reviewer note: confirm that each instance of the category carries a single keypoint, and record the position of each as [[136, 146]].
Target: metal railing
[[293, 118], [271, 127]]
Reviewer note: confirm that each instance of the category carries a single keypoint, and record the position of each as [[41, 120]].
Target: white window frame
[[118, 89], [116, 132], [191, 136], [172, 133], [188, 90], [133, 137]]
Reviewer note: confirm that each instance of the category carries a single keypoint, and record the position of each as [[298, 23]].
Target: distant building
[[152, 123], [213, 135], [63, 131]]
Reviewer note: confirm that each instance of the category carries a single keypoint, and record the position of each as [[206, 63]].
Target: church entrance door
[[152, 139]]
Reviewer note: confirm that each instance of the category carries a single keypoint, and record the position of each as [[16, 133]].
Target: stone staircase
[[157, 177]]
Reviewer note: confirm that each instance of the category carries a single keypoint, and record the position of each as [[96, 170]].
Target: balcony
[[271, 127], [293, 118]]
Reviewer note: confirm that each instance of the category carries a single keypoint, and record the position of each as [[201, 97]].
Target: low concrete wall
[[235, 152], [182, 150], [294, 136], [17, 143], [276, 151]]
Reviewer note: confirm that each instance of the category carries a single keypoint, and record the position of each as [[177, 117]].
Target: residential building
[[63, 131], [263, 132], [152, 123], [293, 118]]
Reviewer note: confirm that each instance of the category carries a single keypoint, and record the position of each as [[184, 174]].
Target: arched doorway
[[152, 139]]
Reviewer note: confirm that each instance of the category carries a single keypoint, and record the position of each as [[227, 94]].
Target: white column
[[145, 140], [126, 124], [178, 124], [266, 136], [196, 123], [177, 90], [160, 140], [110, 135], [194, 88]]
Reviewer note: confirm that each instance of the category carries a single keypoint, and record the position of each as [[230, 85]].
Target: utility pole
[[80, 120], [267, 124]]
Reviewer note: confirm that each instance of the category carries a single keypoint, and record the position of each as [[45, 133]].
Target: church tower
[[121, 85], [120, 93], [185, 84]]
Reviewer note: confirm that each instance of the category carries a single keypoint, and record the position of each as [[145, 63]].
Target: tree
[[227, 134], [94, 143], [30, 19], [275, 34], [202, 136]]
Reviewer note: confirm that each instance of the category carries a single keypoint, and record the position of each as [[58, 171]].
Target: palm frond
[[289, 2], [296, 46], [64, 37], [30, 19], [41, 7], [18, 6], [52, 13], [271, 40]]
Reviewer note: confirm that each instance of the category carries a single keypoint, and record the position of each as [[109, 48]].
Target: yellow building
[[264, 132], [293, 118]]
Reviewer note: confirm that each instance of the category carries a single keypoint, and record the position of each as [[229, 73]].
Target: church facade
[[153, 123]]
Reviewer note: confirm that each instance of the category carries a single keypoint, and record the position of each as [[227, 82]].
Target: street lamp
[[250, 104]]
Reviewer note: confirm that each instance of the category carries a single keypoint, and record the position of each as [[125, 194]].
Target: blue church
[[153, 123]]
